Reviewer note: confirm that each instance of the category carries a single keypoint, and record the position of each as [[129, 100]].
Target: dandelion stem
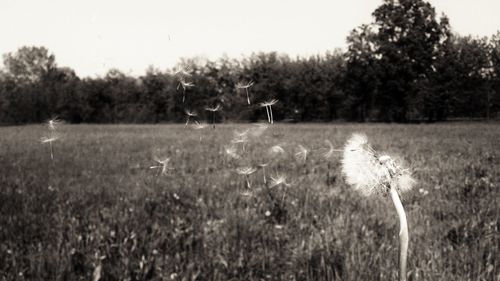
[[248, 98], [267, 111], [264, 174], [271, 111], [248, 181], [403, 233], [183, 94], [51, 151]]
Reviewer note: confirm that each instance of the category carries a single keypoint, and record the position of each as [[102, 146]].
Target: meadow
[[99, 211]]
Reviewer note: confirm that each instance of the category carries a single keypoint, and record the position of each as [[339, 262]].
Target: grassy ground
[[98, 208]]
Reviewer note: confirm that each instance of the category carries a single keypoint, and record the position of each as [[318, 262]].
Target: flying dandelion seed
[[163, 165], [275, 150], [301, 154], [184, 85], [182, 71], [268, 105], [331, 150], [246, 87], [246, 171], [189, 114], [263, 166], [370, 173], [231, 152], [278, 180], [54, 124], [50, 140], [199, 125], [239, 134], [213, 110]]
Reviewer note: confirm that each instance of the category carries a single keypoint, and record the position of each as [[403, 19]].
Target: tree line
[[406, 65]]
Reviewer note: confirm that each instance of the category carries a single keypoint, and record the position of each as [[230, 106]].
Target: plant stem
[[271, 111], [248, 99], [51, 151], [403, 233], [268, 118], [264, 172], [248, 181]]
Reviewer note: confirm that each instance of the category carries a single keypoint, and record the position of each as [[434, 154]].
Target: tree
[[494, 98], [360, 77], [407, 39], [29, 64]]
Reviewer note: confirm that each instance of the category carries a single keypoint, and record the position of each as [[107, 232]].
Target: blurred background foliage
[[405, 66]]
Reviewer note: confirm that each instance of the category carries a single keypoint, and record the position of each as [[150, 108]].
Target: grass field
[[98, 208]]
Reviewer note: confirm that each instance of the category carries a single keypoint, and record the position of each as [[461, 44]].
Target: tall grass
[[99, 205]]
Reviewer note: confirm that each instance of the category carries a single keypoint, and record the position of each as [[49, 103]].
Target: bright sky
[[95, 35]]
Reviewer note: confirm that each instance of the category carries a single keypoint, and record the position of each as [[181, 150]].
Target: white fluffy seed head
[[370, 173]]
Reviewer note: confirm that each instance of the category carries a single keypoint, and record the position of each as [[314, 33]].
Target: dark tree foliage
[[406, 43], [405, 66]]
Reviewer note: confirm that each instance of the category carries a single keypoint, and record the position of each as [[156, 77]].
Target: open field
[[99, 208]]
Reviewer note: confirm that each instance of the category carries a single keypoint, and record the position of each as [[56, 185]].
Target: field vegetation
[[229, 207]]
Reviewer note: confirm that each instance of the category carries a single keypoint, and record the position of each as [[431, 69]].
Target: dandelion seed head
[[369, 173]]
